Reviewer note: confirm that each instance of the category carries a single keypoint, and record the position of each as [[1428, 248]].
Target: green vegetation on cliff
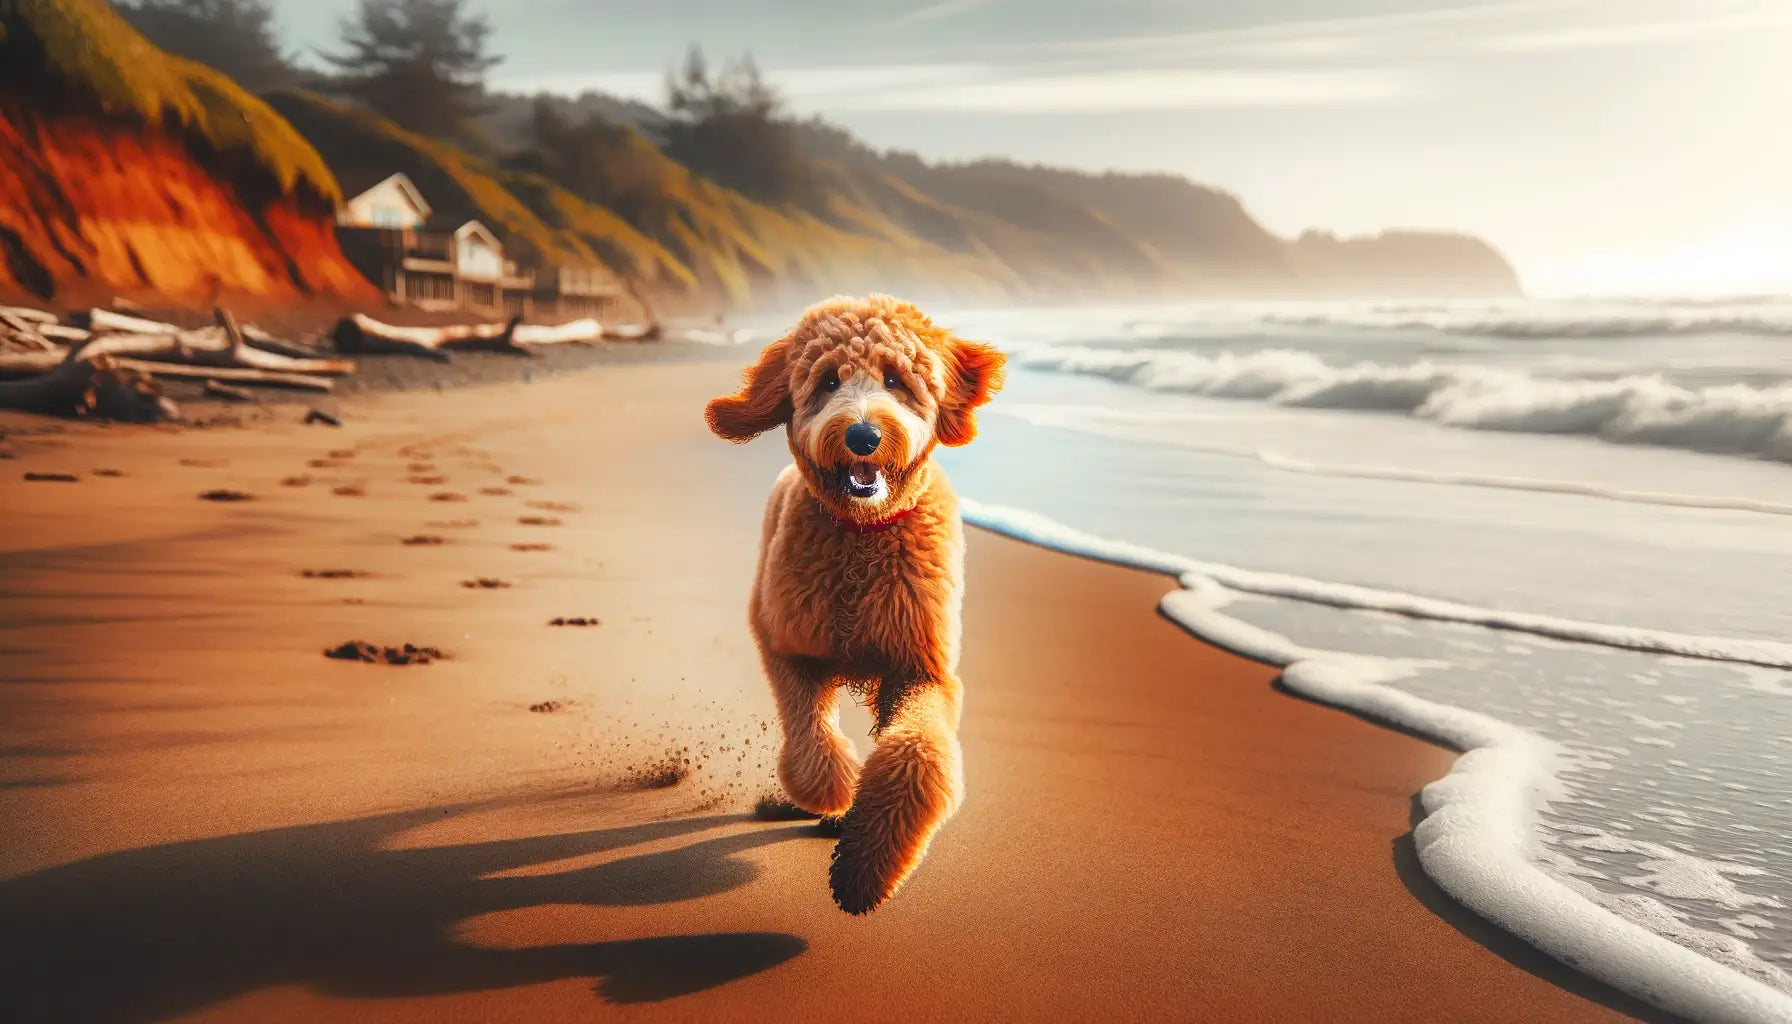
[[87, 53], [664, 225]]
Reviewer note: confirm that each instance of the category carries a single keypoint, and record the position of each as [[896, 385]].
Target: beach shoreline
[[1152, 828]]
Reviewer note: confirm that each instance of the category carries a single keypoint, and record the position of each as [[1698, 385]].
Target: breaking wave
[[1774, 322], [1732, 419]]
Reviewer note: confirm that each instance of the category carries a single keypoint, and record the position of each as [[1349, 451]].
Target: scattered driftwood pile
[[360, 333], [105, 364]]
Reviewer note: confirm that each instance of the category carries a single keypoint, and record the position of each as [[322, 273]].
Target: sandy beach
[[207, 819]]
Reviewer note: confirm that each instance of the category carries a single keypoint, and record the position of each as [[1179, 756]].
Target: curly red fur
[[877, 612], [763, 401]]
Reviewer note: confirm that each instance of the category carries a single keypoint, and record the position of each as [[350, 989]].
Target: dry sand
[[206, 818]]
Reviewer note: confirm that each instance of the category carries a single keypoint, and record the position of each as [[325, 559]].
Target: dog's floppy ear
[[974, 373], [763, 401]]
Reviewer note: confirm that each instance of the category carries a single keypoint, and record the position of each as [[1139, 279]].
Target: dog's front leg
[[912, 782], [817, 765]]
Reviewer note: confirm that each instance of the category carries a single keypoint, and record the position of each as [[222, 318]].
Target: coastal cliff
[[128, 171]]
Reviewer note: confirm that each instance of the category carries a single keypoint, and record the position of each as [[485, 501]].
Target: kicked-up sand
[[519, 788]]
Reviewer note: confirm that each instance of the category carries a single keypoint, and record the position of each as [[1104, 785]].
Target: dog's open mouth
[[861, 481], [865, 481]]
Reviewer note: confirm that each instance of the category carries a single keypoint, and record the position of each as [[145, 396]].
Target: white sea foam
[[1730, 418], [1475, 839]]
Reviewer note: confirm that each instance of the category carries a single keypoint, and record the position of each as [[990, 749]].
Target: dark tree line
[[233, 36], [729, 125], [422, 64], [595, 159]]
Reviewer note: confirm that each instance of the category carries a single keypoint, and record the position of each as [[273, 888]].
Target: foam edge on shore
[[1478, 817]]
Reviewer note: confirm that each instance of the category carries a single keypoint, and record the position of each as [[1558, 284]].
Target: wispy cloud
[[938, 11], [1520, 25], [1164, 89], [1339, 61], [1595, 35]]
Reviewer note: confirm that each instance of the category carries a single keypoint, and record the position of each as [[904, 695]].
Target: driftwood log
[[222, 346], [102, 321], [26, 313], [361, 333], [585, 331], [235, 374], [228, 392], [111, 372], [96, 386]]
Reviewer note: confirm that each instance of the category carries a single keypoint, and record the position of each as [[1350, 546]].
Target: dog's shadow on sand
[[151, 933]]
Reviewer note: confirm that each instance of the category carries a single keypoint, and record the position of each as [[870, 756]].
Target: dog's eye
[[892, 382], [832, 383]]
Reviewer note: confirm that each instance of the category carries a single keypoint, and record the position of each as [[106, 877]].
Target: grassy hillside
[[681, 231], [537, 220], [85, 51]]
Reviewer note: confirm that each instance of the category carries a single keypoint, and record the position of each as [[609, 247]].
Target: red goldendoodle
[[860, 570]]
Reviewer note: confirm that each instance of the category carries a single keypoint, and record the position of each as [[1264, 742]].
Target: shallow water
[[1674, 807]]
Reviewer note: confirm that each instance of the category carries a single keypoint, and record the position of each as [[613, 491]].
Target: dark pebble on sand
[[361, 650], [423, 539], [59, 478], [484, 583], [320, 416], [573, 620], [546, 707], [224, 494]]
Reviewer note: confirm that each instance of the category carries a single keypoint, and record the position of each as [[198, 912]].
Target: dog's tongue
[[864, 474]]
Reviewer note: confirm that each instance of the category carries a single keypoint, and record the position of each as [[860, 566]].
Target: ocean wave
[[1773, 323], [1730, 419], [1119, 423], [1474, 839]]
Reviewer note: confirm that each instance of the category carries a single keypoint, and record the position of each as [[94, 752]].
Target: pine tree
[[421, 63], [730, 127], [233, 36]]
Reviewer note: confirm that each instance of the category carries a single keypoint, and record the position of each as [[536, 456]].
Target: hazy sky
[[1603, 145]]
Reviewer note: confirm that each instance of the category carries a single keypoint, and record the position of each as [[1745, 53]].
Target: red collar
[[878, 527]]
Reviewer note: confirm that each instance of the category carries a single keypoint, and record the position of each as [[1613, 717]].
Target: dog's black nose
[[863, 437]]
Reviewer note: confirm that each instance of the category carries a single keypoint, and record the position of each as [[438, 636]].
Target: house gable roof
[[473, 227], [400, 180]]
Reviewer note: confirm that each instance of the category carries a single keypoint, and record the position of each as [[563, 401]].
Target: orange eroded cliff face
[[93, 204]]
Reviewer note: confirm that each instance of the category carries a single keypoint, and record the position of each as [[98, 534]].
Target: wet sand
[[208, 819]]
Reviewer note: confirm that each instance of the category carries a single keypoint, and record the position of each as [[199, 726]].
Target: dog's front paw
[[868, 863], [856, 886]]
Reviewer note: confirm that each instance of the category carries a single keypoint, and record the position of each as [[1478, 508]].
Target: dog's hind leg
[[912, 782], [818, 765]]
